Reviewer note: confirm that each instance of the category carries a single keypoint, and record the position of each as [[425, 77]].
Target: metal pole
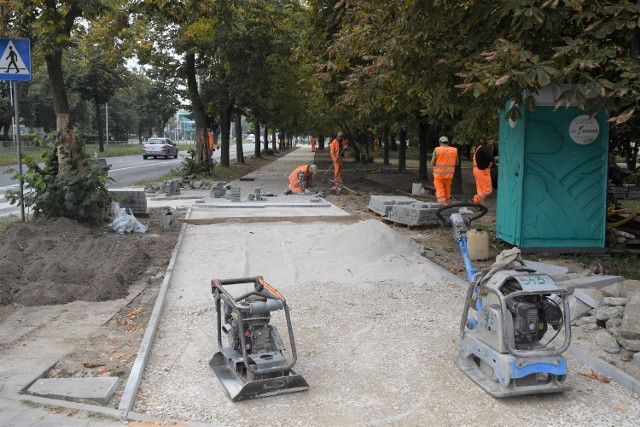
[[19, 145], [13, 119]]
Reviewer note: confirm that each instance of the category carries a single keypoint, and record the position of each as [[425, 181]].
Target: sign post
[[15, 65]]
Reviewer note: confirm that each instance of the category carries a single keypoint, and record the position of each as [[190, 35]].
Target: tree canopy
[[421, 67]]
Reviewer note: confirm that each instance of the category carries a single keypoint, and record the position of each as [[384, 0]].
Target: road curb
[[131, 389]]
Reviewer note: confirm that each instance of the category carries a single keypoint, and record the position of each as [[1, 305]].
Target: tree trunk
[[394, 144], [402, 151], [203, 154], [256, 139], [239, 149], [225, 130], [68, 145], [321, 142], [422, 140], [386, 145], [456, 185], [266, 138], [99, 126]]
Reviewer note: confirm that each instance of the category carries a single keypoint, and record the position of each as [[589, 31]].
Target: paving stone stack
[[175, 186], [416, 213], [217, 189], [233, 193], [133, 198], [383, 204]]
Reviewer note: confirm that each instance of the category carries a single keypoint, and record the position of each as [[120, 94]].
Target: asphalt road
[[125, 171]]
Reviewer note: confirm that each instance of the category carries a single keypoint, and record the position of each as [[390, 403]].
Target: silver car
[[155, 147]]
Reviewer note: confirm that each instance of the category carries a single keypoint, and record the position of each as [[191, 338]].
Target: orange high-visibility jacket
[[446, 159], [335, 149], [299, 178]]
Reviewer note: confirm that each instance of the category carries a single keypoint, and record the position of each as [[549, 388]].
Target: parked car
[[155, 147]]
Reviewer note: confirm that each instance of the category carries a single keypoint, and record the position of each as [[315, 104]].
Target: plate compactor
[[507, 313], [253, 365]]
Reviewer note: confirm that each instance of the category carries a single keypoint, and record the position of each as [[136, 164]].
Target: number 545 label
[[536, 282]]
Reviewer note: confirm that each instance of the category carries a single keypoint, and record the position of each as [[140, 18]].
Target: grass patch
[[629, 204], [6, 221], [10, 156], [626, 265]]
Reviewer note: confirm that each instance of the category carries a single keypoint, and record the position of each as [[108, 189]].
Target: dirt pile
[[60, 260]]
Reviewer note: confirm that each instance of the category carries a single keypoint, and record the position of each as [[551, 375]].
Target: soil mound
[[60, 261]]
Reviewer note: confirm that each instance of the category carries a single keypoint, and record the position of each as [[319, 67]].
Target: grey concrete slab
[[286, 208], [595, 281], [591, 297], [550, 269], [17, 323], [96, 389]]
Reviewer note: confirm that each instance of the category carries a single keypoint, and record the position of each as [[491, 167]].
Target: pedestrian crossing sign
[[15, 61]]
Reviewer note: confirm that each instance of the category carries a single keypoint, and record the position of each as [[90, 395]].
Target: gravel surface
[[376, 337]]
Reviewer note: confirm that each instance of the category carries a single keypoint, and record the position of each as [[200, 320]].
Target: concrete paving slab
[[595, 281], [96, 389], [20, 322], [591, 297], [285, 208], [555, 271]]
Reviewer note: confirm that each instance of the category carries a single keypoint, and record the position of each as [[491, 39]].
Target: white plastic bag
[[136, 225], [122, 223]]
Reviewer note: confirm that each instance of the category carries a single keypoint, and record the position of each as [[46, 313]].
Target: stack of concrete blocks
[[233, 193], [170, 187], [175, 186], [417, 213], [256, 195], [131, 198], [383, 204], [217, 190]]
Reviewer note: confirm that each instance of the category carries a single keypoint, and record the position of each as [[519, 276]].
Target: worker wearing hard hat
[[444, 161], [301, 179], [336, 150]]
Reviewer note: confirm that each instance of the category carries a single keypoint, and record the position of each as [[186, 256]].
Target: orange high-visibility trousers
[[483, 184], [337, 172], [443, 188]]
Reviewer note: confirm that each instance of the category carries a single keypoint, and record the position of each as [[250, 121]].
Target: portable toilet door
[[552, 178]]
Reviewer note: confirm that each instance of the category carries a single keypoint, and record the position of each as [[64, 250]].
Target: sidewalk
[[376, 327]]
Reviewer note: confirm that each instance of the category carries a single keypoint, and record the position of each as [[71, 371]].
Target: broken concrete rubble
[[608, 316], [630, 327], [606, 342]]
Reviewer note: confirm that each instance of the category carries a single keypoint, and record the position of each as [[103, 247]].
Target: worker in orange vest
[[211, 143], [336, 150], [482, 161], [301, 178], [313, 144], [444, 161]]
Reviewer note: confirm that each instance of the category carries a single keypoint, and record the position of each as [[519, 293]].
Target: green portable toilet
[[552, 178]]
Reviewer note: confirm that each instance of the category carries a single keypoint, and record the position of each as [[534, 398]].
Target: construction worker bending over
[[482, 161], [444, 163], [301, 178], [336, 150]]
